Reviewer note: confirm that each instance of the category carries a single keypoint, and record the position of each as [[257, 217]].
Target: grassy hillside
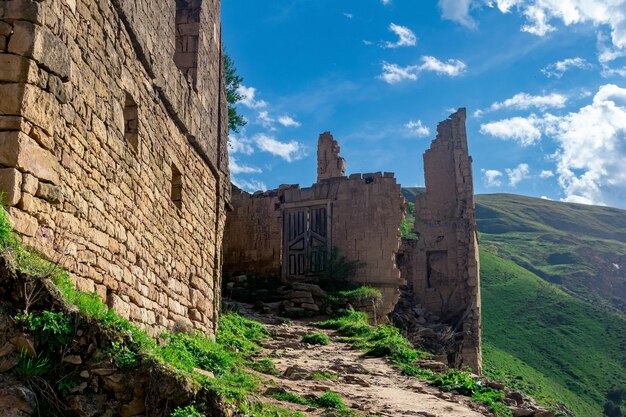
[[547, 342], [581, 248]]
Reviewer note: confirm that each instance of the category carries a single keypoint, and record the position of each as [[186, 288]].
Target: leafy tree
[[233, 81]]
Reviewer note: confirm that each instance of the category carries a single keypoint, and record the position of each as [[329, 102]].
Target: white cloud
[[248, 100], [385, 2], [348, 15], [406, 37], [540, 13], [238, 144], [417, 128], [591, 146], [457, 11], [592, 142], [452, 67], [516, 175], [546, 174], [235, 168], [288, 121], [492, 177], [545, 197], [559, 68], [266, 120], [249, 185], [289, 151], [524, 101], [393, 73], [524, 130], [368, 43]]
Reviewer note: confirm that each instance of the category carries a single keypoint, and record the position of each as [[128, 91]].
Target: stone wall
[[364, 213], [114, 155], [443, 265]]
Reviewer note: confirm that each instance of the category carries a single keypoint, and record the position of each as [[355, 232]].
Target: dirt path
[[370, 386]]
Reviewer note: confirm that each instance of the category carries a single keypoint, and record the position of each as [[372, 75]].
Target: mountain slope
[[569, 350], [581, 248]]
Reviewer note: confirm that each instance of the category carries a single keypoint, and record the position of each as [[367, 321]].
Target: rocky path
[[369, 386]]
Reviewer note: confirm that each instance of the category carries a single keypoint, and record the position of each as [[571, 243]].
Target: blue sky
[[544, 83]]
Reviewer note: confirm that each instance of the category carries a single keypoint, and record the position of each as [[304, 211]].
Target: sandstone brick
[[30, 183], [20, 151], [120, 306], [23, 223], [17, 69], [10, 186], [38, 43], [50, 193], [21, 10]]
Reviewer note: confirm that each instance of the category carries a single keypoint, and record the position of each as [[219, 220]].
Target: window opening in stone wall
[[177, 187], [187, 37], [131, 123]]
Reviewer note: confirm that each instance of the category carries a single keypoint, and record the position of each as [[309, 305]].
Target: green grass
[[329, 400], [461, 382], [573, 245], [548, 343], [317, 338], [320, 375]]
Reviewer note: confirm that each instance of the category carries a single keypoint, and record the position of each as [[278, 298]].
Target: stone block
[[30, 183], [120, 306], [20, 10], [50, 193], [23, 223], [10, 186], [20, 151], [32, 103], [17, 69], [38, 43]]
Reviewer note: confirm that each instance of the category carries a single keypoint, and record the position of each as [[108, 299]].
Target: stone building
[[113, 132], [287, 233]]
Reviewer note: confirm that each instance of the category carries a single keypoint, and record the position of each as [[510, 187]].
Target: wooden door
[[306, 239]]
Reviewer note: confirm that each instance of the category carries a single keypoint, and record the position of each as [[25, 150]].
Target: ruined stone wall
[[364, 211], [114, 155], [253, 236], [443, 263]]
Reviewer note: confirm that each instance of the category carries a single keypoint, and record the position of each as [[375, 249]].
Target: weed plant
[[317, 338]]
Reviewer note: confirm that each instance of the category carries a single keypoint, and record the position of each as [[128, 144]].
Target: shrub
[[317, 338], [337, 270], [291, 397], [387, 341], [28, 367], [323, 375], [351, 323], [331, 400], [241, 334], [53, 329], [189, 411], [265, 366]]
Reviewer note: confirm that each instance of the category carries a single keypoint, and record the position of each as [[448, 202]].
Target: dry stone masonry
[[442, 266], [287, 233], [113, 130]]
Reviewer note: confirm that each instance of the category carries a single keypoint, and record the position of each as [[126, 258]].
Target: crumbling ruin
[[287, 233], [442, 266], [113, 130]]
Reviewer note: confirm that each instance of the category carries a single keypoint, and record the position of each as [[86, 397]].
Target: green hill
[[554, 298], [548, 343], [582, 248]]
